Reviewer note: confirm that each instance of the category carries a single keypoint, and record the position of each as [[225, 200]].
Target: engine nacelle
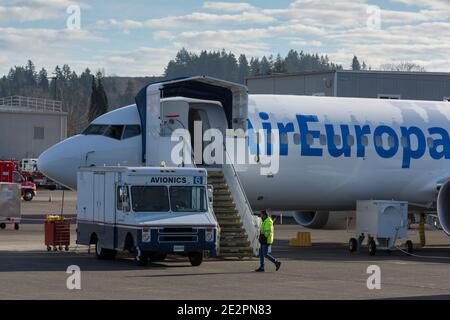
[[324, 219], [443, 207]]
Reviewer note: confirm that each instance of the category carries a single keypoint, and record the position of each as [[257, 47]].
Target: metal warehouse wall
[[304, 84], [22, 136], [410, 86]]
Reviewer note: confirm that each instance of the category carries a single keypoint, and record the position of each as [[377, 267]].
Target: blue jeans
[[264, 253]]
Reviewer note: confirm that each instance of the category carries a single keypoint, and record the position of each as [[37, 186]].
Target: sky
[[138, 38]]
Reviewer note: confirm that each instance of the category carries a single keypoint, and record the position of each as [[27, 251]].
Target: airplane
[[333, 151]]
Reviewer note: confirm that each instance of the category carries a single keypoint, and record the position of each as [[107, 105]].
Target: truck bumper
[[168, 243]]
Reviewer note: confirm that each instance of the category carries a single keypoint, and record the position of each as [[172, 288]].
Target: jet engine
[[324, 219], [443, 207]]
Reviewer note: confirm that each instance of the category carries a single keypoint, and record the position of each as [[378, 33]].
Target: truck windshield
[[150, 199], [188, 199]]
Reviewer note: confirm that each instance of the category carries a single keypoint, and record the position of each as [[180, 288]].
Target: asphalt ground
[[324, 271]]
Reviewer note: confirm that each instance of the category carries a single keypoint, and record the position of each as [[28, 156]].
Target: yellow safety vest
[[267, 230]]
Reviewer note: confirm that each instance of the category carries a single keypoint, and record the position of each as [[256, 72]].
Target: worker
[[266, 240]]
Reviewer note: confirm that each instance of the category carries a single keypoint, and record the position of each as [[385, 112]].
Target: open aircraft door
[[233, 98]]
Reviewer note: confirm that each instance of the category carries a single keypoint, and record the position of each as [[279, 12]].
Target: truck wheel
[[104, 254], [353, 245], [372, 248], [2, 226], [16, 226], [28, 196], [140, 257], [196, 258]]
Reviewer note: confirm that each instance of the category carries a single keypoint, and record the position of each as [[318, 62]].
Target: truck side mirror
[[124, 198]]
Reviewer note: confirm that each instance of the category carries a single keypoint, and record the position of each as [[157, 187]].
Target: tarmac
[[326, 270]]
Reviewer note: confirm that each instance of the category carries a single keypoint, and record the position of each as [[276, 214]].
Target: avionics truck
[[148, 211]]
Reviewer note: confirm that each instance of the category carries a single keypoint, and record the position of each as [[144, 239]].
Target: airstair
[[239, 226]]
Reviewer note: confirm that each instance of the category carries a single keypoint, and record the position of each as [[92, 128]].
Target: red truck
[[10, 175]]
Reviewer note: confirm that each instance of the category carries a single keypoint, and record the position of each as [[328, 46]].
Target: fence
[[33, 104]]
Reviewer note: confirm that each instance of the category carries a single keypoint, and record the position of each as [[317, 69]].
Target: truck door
[[99, 202]]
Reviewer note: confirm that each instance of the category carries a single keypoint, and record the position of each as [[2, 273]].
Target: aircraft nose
[[61, 162]]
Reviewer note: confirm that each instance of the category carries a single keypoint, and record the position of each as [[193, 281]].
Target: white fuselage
[[337, 151]]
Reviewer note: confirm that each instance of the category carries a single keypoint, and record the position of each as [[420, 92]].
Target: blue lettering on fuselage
[[340, 141]]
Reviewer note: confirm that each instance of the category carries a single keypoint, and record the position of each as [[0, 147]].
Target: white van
[[148, 211]]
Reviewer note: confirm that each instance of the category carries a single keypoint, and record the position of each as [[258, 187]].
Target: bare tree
[[403, 66]]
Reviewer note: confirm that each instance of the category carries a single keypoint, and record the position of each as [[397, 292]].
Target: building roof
[[308, 73]]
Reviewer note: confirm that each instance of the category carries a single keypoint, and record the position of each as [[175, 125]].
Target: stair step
[[216, 180], [226, 224], [236, 250], [228, 244], [233, 231], [225, 197], [224, 205], [220, 186], [215, 174], [226, 210], [222, 192], [228, 217]]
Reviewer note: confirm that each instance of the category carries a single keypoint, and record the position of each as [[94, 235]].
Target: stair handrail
[[250, 221]]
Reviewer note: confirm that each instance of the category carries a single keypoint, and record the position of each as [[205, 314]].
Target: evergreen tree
[[93, 112], [43, 80], [356, 66], [255, 67], [279, 65], [244, 68], [265, 66], [102, 98]]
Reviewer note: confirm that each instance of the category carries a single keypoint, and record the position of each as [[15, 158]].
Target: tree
[[292, 62], [279, 65], [43, 80], [356, 66], [265, 66], [93, 112], [403, 66], [255, 67], [244, 68]]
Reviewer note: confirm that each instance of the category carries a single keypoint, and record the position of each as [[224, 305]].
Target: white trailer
[[150, 212], [383, 223], [10, 205]]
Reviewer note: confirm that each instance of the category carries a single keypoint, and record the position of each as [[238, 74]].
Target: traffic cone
[[50, 198]]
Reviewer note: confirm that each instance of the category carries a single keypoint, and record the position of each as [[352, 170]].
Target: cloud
[[36, 10], [196, 18], [228, 6], [46, 47], [144, 61]]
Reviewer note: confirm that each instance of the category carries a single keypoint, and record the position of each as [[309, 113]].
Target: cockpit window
[[95, 130], [114, 132], [131, 131]]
